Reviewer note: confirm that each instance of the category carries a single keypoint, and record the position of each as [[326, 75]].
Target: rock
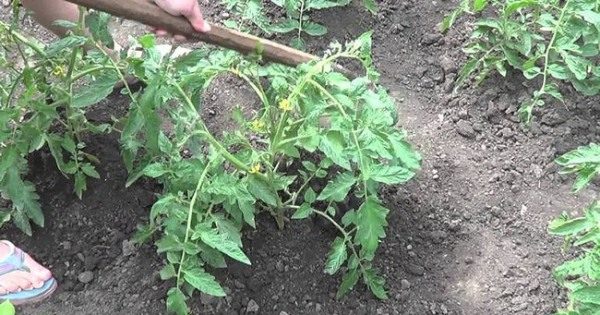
[[405, 285], [127, 248], [318, 307], [415, 269], [90, 262], [283, 313], [252, 307], [553, 119], [431, 38], [468, 260], [66, 245], [86, 277], [279, 266], [438, 236], [207, 299], [465, 129], [448, 65], [238, 284]]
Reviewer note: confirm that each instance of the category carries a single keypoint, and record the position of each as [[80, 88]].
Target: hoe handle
[[146, 12]]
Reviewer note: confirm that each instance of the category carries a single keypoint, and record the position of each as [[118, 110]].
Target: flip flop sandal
[[15, 261]]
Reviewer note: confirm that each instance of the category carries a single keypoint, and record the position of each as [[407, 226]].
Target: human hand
[[190, 9]]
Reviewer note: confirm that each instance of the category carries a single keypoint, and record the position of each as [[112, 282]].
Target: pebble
[[86, 277], [415, 269], [252, 307], [279, 266], [431, 38], [128, 248], [238, 284], [405, 284], [283, 313], [465, 129], [66, 245]]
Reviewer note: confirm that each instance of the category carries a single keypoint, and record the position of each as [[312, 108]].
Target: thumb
[[196, 19]]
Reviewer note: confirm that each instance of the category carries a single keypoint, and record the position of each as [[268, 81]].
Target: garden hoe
[[146, 12]]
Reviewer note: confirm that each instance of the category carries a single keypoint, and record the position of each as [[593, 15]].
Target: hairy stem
[[190, 213]]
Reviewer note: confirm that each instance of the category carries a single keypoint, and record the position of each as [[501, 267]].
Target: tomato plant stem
[[190, 213]]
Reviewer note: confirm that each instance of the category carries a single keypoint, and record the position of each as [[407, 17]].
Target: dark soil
[[468, 236]]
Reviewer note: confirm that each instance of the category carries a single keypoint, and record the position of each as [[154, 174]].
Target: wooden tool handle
[[146, 12]]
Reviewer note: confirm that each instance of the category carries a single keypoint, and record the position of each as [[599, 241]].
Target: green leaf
[[338, 189], [370, 5], [333, 145], [285, 26], [391, 174], [559, 72], [203, 281], [314, 29], [591, 236], [325, 4], [176, 302], [570, 227], [221, 243], [168, 243], [96, 91], [519, 4], [348, 282], [337, 256], [577, 65], [69, 42], [167, 272], [97, 23], [310, 196], [24, 200], [155, 170], [376, 283], [6, 308], [371, 223], [591, 16], [587, 295], [479, 5], [89, 170], [303, 212], [262, 190], [7, 160], [349, 218]]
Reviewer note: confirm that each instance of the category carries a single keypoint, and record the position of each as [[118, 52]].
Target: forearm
[[46, 12]]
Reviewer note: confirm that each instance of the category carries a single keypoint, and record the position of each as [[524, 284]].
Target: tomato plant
[[316, 140], [548, 40]]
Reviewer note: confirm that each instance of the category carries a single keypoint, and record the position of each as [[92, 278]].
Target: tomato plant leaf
[[337, 256], [338, 189], [203, 281]]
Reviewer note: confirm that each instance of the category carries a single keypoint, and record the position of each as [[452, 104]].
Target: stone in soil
[[252, 307], [86, 277], [465, 129]]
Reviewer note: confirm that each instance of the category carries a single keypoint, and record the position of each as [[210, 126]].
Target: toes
[[8, 284], [41, 273], [23, 280]]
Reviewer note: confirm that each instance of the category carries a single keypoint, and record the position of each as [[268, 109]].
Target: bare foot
[[32, 276]]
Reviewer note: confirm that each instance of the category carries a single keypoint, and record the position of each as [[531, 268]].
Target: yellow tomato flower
[[286, 105], [59, 71], [255, 169], [257, 125]]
